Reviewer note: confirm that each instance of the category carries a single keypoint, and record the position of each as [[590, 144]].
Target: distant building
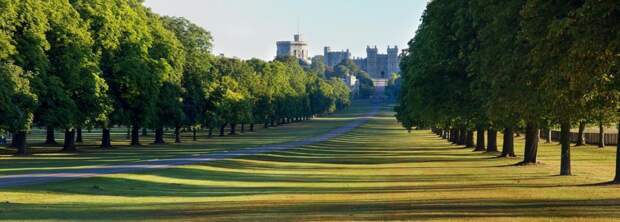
[[353, 84], [333, 58], [296, 48], [380, 66]]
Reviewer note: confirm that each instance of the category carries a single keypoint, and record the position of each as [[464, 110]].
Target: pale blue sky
[[250, 28]]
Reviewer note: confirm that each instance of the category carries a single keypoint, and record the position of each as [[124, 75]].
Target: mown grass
[[376, 172], [49, 158]]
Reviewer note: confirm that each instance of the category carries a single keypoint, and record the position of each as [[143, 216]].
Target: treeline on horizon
[[71, 64], [507, 66]]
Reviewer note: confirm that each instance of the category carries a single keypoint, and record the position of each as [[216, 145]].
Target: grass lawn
[[376, 172], [50, 159]]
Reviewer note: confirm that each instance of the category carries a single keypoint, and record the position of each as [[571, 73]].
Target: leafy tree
[[346, 68], [392, 90], [121, 41], [593, 55], [71, 92], [22, 63], [197, 79], [17, 103], [498, 68], [168, 57]]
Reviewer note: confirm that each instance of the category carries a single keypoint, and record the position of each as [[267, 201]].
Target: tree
[[22, 62], [545, 27], [168, 64], [197, 81], [436, 87], [499, 62], [71, 92], [121, 40], [593, 55], [17, 103], [348, 67]]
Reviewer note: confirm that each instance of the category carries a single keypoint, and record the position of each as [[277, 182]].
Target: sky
[[250, 28]]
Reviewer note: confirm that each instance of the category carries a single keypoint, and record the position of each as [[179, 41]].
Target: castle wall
[[376, 65]]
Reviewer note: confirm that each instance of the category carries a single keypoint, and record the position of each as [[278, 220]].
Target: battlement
[[333, 58], [393, 51], [372, 50]]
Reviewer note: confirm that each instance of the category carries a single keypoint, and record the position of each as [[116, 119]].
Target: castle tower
[[297, 48], [371, 61], [393, 61], [326, 51]]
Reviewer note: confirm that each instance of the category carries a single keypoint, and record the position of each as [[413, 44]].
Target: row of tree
[[70, 64], [484, 65]]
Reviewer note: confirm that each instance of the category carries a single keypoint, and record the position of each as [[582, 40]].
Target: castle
[[333, 58], [296, 48], [377, 65]]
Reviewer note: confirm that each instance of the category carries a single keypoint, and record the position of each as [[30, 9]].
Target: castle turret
[[393, 60], [371, 61], [326, 51]]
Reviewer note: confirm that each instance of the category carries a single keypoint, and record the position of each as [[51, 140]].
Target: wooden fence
[[591, 138]]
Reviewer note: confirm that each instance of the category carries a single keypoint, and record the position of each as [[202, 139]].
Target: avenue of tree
[[513, 66], [73, 64]]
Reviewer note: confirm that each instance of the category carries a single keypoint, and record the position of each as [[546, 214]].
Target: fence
[[590, 138]]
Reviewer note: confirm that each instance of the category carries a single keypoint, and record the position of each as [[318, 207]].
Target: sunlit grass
[[51, 159], [376, 172]]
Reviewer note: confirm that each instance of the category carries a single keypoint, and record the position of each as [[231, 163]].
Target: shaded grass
[[50, 159], [376, 172]]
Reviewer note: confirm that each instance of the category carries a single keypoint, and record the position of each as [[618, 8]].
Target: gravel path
[[46, 177]]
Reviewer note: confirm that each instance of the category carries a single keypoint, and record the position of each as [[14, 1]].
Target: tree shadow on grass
[[317, 210]]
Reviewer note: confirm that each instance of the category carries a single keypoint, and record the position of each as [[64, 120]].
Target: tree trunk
[[243, 128], [454, 135], [581, 140], [128, 132], [210, 132], [470, 139], [462, 137], [13, 141], [69, 144], [135, 135], [251, 127], [159, 136], [222, 128], [78, 138], [565, 143], [194, 134], [106, 141], [508, 147], [177, 134], [19, 142], [50, 138], [548, 135], [233, 129], [617, 178], [145, 132], [601, 135], [480, 146], [531, 144], [492, 140]]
